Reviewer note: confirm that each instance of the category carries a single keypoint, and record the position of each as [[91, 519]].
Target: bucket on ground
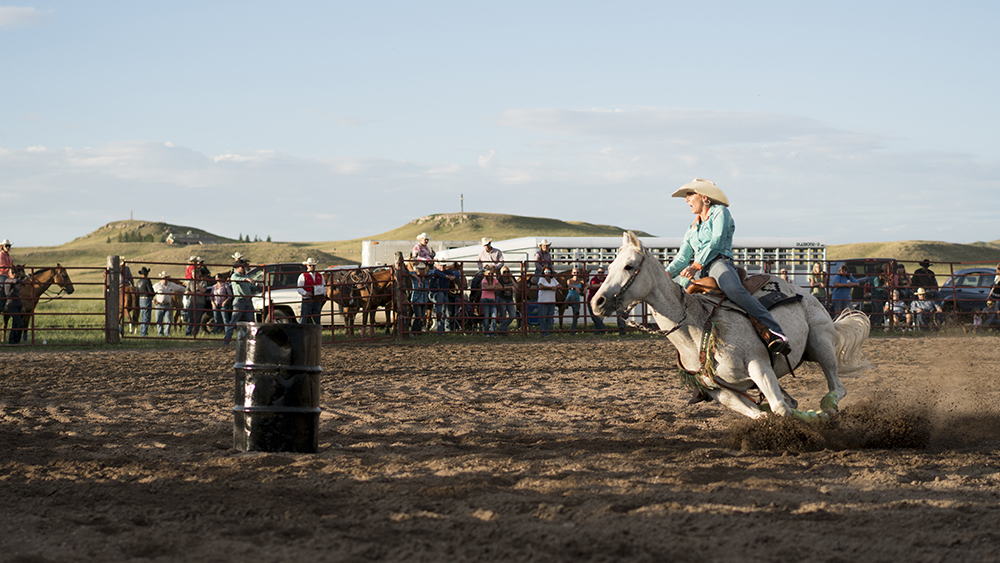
[[277, 387]]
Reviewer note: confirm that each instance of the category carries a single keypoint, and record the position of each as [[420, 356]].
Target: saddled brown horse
[[340, 289], [32, 289], [128, 308]]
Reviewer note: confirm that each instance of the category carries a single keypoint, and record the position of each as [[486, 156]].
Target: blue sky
[[312, 121]]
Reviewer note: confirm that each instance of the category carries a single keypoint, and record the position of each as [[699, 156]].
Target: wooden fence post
[[112, 301]]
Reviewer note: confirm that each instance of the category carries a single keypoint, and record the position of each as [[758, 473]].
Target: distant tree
[[240, 237], [109, 239], [163, 237], [268, 238], [148, 238], [255, 238]]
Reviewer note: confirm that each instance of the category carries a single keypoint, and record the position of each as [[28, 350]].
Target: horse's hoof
[[699, 396], [829, 403]]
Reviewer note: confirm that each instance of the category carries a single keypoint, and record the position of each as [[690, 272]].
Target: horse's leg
[[759, 370], [820, 348], [737, 402]]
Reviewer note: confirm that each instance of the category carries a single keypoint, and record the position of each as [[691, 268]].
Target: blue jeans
[[311, 311], [440, 299], [145, 314], [163, 310], [222, 317], [489, 309], [574, 307], [545, 313], [242, 312], [724, 272], [506, 311]]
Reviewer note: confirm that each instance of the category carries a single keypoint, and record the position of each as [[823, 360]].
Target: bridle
[[618, 305]]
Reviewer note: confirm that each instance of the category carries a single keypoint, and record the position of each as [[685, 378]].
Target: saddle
[[711, 285]]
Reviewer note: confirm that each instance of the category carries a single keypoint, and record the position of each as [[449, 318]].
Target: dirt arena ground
[[556, 450]]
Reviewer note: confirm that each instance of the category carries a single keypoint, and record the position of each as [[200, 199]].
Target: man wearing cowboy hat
[[163, 302], [924, 309], [144, 289], [489, 255], [421, 251], [707, 251], [243, 287], [312, 288], [924, 277], [6, 270], [543, 259]]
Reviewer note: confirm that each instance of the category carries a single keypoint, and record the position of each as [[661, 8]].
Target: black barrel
[[277, 387]]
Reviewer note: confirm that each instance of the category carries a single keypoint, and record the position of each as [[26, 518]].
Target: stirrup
[[778, 344]]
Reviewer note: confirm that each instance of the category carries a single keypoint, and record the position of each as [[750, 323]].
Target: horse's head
[[624, 286], [61, 278]]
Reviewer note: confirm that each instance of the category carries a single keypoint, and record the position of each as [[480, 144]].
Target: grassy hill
[[916, 250], [473, 226]]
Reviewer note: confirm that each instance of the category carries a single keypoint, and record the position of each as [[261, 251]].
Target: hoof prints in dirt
[[866, 426]]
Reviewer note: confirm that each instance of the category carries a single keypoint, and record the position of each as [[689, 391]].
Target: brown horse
[[32, 289], [128, 308]]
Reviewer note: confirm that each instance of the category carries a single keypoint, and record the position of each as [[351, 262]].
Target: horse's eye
[[628, 267]]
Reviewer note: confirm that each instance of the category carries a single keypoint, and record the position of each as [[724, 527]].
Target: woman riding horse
[[709, 241]]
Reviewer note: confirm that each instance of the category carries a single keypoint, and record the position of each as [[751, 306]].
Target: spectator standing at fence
[[312, 288], [592, 287], [995, 292], [817, 281], [191, 268], [144, 289], [841, 285], [440, 283], [903, 283], [6, 270], [222, 303], [163, 302], [783, 274], [419, 296], [547, 286], [15, 308], [421, 251], [574, 293], [506, 310], [488, 300], [243, 287], [489, 255], [880, 285]]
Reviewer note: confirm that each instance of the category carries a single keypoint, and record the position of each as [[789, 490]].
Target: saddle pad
[[766, 289]]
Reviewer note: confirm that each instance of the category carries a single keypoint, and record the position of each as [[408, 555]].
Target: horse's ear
[[630, 238]]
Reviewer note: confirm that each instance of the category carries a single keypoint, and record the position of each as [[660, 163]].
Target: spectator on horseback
[[222, 303], [191, 268], [163, 302], [709, 243], [126, 273], [144, 289], [6, 270], [243, 287], [490, 255], [312, 288], [506, 310], [543, 259], [421, 251]]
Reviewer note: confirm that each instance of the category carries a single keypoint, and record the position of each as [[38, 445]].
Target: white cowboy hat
[[921, 291], [545, 242], [237, 256], [485, 241], [6, 242], [706, 188], [423, 236], [309, 262], [421, 265], [164, 274]]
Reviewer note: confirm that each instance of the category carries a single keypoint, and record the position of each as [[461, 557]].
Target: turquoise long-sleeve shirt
[[705, 240]]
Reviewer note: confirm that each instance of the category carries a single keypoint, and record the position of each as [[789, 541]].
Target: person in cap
[[191, 268], [543, 259], [421, 251], [490, 255], [6, 270], [163, 302], [144, 289], [243, 287], [926, 278], [312, 288], [707, 251]]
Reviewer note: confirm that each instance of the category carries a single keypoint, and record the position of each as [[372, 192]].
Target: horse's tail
[[852, 330]]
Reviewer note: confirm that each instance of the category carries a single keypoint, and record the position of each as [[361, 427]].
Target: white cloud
[[18, 16], [485, 159]]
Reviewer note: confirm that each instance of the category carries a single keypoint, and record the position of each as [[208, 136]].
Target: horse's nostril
[[600, 301]]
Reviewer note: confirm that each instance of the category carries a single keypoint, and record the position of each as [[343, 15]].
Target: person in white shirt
[[163, 298], [312, 288]]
